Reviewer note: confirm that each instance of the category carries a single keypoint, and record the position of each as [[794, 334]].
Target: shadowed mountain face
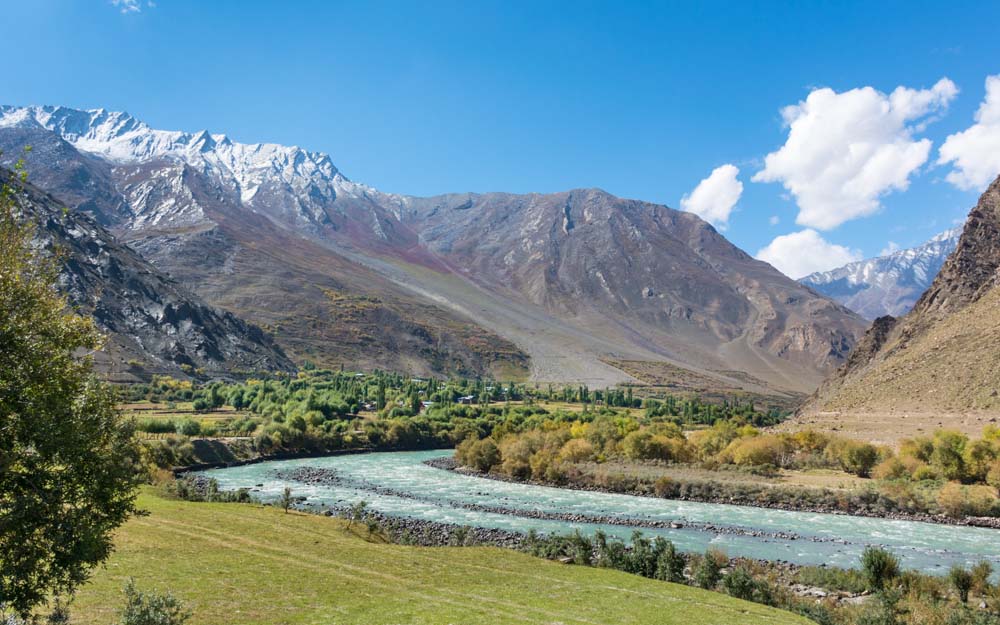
[[153, 324], [561, 285], [887, 285], [942, 357]]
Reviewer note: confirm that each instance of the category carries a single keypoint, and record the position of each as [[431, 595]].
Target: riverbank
[[255, 565], [789, 499]]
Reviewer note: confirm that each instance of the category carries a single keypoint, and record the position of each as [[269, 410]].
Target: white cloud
[[127, 6], [801, 253], [975, 152], [774, 220], [132, 6], [891, 248], [714, 197], [846, 150]]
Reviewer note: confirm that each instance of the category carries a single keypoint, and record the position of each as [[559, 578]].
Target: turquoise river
[[400, 484]]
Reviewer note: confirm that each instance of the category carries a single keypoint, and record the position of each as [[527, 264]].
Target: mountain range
[[889, 284], [152, 324], [937, 365], [579, 286]]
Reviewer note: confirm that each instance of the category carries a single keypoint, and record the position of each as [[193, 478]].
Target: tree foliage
[[68, 462]]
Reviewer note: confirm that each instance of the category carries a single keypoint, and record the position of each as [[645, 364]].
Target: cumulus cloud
[[801, 253], [975, 152], [714, 197], [846, 150]]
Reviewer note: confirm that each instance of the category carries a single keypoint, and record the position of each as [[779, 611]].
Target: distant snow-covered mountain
[[886, 285]]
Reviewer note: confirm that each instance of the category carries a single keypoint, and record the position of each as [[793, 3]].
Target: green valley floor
[[248, 564]]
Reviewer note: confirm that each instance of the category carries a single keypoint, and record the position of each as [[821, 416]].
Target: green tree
[[859, 458], [879, 567], [286, 499], [709, 570], [69, 463]]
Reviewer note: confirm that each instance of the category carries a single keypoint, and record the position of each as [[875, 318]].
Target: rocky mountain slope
[[152, 324], [470, 283], [941, 360], [886, 285]]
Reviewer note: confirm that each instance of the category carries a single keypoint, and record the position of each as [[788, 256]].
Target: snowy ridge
[[886, 285], [300, 185]]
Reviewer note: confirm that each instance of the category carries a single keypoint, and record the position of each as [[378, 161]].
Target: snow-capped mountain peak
[[122, 139], [889, 284]]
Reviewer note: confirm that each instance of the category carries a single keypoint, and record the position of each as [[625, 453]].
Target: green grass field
[[247, 564]]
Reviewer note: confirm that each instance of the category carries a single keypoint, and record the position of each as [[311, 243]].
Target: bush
[[891, 469], [740, 583], [879, 567], [576, 450], [949, 454], [709, 569], [993, 476], [925, 473], [156, 426], [961, 580], [957, 501], [481, 455], [858, 458], [669, 563], [760, 450], [188, 427], [150, 608]]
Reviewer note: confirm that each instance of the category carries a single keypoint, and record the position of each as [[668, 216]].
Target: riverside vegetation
[[947, 474]]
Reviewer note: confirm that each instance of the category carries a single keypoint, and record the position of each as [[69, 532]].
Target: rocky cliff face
[[942, 357], [477, 284], [153, 324], [887, 285]]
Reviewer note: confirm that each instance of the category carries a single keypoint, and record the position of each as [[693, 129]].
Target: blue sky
[[644, 100]]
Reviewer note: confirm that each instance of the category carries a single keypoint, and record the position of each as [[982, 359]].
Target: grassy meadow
[[248, 564]]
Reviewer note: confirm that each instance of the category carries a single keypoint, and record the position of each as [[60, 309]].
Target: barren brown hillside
[[938, 366]]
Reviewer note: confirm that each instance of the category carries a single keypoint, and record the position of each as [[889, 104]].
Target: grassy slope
[[248, 564]]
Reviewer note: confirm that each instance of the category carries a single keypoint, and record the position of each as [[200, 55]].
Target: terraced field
[[248, 564]]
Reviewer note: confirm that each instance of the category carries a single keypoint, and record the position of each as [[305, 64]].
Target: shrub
[[879, 567], [576, 450], [760, 450], [981, 572], [665, 487], [993, 475], [156, 426], [958, 501], [891, 469], [925, 473], [740, 583], [949, 454], [481, 455], [858, 458], [709, 569], [188, 427], [961, 580], [150, 608], [669, 563]]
